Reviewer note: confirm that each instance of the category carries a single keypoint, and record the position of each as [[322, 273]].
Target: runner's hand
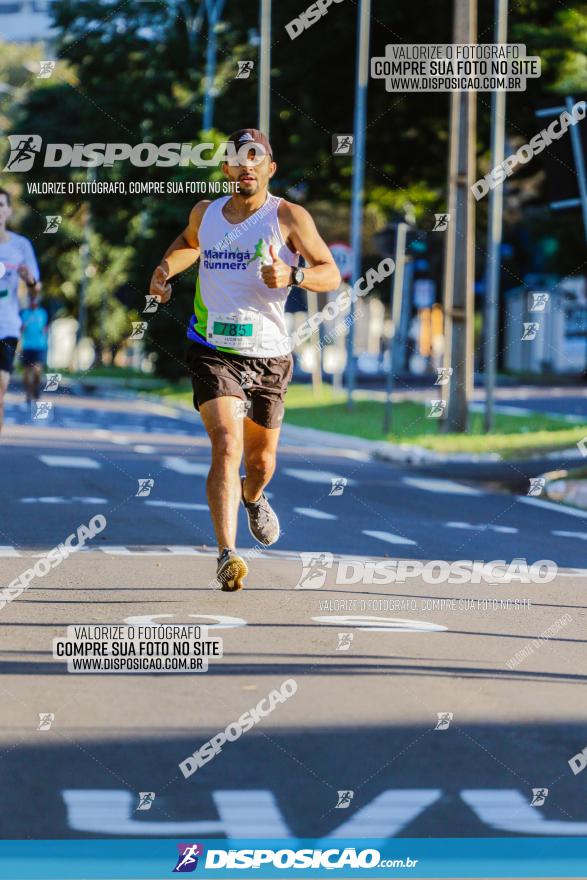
[[159, 285], [26, 275], [277, 273]]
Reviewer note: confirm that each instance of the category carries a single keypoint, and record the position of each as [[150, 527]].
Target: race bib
[[238, 330]]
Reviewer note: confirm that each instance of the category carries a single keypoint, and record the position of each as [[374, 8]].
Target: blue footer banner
[[307, 858]]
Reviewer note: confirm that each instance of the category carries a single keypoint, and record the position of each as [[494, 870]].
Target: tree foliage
[[134, 71]]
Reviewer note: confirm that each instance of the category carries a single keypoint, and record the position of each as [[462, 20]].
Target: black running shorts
[[261, 383], [7, 350], [32, 356]]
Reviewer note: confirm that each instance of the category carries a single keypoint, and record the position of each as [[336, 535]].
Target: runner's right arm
[[179, 256]]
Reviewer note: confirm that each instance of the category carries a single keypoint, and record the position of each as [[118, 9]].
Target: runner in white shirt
[[17, 262], [248, 245]]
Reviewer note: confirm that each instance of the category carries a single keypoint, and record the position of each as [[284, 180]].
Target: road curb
[[379, 450], [405, 453]]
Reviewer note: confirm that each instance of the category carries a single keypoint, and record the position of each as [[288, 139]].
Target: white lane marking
[[388, 813], [508, 810], [222, 620], [160, 551], [552, 505], [57, 499], [7, 550], [177, 505], [581, 535], [315, 476], [273, 555], [482, 527], [314, 514], [144, 448], [182, 466], [256, 812], [448, 487], [241, 814], [368, 623], [387, 536], [179, 550], [70, 461]]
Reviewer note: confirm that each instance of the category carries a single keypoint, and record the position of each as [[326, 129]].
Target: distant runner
[[34, 346], [248, 245], [17, 262]]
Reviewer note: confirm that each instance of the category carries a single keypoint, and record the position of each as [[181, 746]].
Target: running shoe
[[263, 522], [230, 571]]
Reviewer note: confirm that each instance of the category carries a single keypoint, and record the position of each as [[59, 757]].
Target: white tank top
[[234, 311]]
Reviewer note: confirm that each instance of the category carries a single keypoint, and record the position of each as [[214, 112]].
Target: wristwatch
[[297, 276]]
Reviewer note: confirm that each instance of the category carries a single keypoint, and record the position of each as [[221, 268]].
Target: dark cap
[[250, 135]]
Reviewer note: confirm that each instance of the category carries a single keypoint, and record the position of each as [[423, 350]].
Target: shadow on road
[[469, 780]]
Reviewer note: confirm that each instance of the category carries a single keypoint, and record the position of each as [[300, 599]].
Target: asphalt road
[[362, 719]]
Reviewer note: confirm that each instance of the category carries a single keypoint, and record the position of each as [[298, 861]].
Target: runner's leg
[[260, 448], [225, 430], [4, 380], [27, 382], [37, 374]]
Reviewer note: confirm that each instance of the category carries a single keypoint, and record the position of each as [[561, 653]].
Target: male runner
[[248, 245], [17, 262]]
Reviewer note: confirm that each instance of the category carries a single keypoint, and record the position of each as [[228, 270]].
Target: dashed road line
[[58, 499], [70, 461], [482, 527], [177, 505], [582, 536], [314, 514], [447, 487], [183, 466], [315, 476], [389, 537]]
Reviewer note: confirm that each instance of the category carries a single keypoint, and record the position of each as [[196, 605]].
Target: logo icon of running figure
[[260, 252], [187, 860]]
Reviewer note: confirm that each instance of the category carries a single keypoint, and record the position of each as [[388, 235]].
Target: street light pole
[[579, 158], [362, 74], [214, 9], [84, 253], [265, 67], [396, 318], [494, 228], [459, 271]]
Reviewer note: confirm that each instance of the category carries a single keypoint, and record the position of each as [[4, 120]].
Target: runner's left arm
[[28, 270], [321, 273]]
